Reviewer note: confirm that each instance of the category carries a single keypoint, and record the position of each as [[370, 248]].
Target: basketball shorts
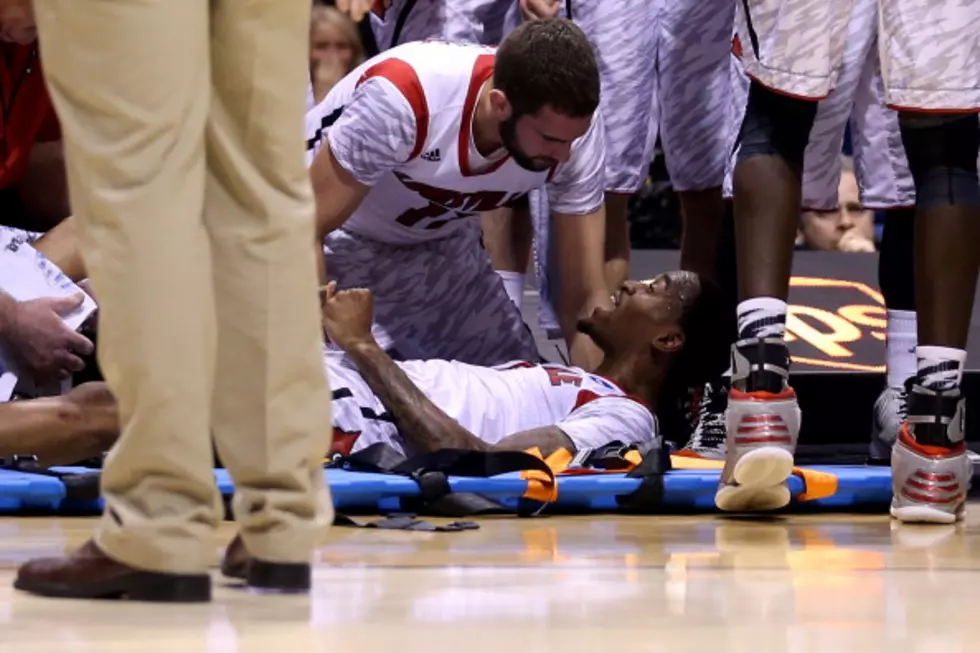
[[485, 22], [647, 89], [929, 49], [440, 299], [359, 417], [858, 98]]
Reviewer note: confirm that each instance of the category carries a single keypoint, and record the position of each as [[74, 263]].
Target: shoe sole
[[145, 586], [919, 514], [758, 482]]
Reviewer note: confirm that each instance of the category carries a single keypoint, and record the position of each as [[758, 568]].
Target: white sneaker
[[763, 429], [930, 483]]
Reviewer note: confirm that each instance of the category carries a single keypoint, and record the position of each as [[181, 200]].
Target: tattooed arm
[[423, 424], [426, 427]]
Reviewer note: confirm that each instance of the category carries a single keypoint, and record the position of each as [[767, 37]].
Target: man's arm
[[424, 425], [337, 194], [372, 131], [580, 246], [577, 198], [347, 317]]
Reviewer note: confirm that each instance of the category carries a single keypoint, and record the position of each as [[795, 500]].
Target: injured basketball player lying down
[[659, 332]]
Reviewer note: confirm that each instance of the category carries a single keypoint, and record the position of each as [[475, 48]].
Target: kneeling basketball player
[[412, 146]]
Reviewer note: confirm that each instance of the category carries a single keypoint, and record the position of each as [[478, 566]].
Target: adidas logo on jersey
[[432, 155]]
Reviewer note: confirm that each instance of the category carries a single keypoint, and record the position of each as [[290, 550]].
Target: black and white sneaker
[[708, 439]]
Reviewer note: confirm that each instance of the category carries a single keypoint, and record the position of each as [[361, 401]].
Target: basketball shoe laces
[[709, 435]]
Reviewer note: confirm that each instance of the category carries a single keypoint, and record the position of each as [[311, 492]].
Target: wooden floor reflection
[[680, 584]]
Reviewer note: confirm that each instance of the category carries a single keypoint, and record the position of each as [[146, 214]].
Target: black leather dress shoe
[[276, 576]]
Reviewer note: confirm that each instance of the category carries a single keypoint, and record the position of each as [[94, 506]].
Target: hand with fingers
[[39, 342], [347, 315]]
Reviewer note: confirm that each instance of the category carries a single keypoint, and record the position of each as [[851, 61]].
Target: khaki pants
[[183, 130]]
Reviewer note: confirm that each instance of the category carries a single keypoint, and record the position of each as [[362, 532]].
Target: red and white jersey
[[402, 123], [494, 402]]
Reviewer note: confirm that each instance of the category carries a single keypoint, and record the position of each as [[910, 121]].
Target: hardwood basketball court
[[680, 584]]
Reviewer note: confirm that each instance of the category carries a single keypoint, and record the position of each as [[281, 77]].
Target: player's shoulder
[[440, 69]]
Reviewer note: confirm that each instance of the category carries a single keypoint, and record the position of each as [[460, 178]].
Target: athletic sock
[[761, 317], [900, 347], [760, 365], [933, 418], [514, 285], [939, 368]]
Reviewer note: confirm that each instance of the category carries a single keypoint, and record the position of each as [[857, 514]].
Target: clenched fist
[[356, 9], [347, 315]]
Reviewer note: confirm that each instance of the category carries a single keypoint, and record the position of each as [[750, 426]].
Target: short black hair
[[709, 326], [548, 62]]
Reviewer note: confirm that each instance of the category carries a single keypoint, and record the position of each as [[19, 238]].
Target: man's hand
[[356, 9], [39, 341], [347, 316], [534, 9]]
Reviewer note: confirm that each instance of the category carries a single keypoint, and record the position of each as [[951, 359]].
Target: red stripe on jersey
[[482, 71], [405, 79], [587, 396], [378, 8], [342, 442]]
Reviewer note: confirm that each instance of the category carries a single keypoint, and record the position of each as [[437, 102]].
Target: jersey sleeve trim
[[482, 71], [403, 77], [587, 397]]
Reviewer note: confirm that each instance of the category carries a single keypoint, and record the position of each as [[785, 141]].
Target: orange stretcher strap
[[817, 484], [541, 486]]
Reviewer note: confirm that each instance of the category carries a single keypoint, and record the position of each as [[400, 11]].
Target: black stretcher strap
[[78, 487], [649, 497], [432, 471], [406, 522]]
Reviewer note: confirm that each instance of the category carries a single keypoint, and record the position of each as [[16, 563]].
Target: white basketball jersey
[[494, 402], [402, 123]]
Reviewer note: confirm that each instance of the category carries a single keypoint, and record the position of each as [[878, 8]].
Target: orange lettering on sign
[[828, 331]]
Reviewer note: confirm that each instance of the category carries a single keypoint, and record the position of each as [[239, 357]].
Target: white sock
[[762, 317], [940, 368], [514, 285], [900, 347]]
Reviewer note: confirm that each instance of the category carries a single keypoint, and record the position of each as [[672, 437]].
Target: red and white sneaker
[[762, 431], [929, 484]]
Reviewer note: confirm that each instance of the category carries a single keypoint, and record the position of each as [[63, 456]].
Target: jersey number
[[563, 376], [412, 217]]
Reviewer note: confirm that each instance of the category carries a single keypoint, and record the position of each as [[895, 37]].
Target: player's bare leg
[[617, 265], [930, 469], [896, 278], [763, 416], [60, 246], [507, 237], [703, 212], [61, 430]]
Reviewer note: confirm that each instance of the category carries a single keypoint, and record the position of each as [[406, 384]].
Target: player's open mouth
[[617, 297]]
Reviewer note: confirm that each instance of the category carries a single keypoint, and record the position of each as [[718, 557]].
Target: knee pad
[[942, 153], [775, 125]]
